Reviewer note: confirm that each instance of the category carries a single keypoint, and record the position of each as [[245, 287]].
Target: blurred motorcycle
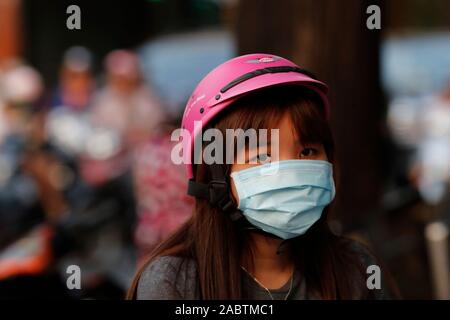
[[81, 184]]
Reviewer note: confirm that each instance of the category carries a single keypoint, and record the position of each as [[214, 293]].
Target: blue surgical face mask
[[285, 198]]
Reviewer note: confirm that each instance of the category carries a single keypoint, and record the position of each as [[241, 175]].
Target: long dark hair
[[216, 244]]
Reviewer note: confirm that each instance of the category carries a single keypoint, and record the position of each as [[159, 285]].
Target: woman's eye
[[263, 158], [308, 152]]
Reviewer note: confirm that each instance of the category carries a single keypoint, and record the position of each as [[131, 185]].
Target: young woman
[[259, 228]]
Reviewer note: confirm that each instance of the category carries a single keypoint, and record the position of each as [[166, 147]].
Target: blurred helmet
[[78, 59], [21, 84], [122, 63]]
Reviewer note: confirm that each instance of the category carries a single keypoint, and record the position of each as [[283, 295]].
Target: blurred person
[[21, 87], [125, 105], [162, 204], [67, 122], [431, 170], [258, 233], [67, 221], [89, 227], [124, 114], [45, 201], [76, 84], [75, 127]]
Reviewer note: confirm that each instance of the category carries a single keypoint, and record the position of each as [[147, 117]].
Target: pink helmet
[[235, 78]]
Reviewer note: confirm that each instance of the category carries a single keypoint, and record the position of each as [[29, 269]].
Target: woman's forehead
[[285, 126]]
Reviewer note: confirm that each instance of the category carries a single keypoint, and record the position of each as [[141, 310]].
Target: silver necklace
[[265, 288]]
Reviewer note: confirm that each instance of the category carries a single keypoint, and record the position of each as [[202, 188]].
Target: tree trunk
[[10, 29], [331, 39]]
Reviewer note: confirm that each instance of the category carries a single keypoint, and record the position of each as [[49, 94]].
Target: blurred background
[[86, 116]]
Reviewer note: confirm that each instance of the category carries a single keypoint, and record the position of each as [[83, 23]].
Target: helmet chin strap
[[217, 192]]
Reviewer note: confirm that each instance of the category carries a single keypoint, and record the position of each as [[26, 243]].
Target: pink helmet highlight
[[235, 78]]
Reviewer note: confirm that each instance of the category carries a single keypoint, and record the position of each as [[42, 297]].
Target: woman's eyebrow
[[308, 142]]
